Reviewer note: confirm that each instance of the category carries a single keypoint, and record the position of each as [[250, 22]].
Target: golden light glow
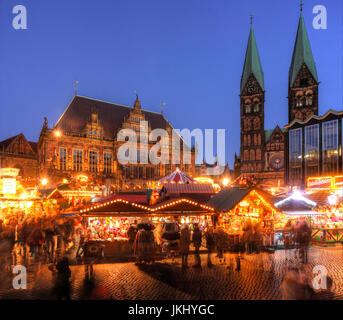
[[204, 180], [57, 133], [44, 181], [65, 181], [226, 182]]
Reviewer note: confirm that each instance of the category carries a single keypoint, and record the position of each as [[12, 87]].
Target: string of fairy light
[[158, 208]]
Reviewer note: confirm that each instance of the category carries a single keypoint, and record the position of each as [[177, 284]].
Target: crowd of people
[[43, 238], [49, 237]]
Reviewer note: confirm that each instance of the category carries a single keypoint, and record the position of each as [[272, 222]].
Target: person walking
[[185, 241], [210, 244], [62, 274], [196, 239]]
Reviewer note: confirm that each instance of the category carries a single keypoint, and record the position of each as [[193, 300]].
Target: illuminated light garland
[[147, 208]]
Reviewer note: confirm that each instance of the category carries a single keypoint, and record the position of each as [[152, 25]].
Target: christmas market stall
[[16, 202], [109, 221], [321, 205], [237, 208], [297, 209]]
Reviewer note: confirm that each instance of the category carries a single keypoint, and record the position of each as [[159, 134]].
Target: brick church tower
[[303, 79], [252, 111]]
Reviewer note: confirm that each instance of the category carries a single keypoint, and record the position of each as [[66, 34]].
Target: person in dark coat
[[131, 234], [185, 241], [196, 239]]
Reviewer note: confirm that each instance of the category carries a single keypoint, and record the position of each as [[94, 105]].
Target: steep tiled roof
[[110, 115]]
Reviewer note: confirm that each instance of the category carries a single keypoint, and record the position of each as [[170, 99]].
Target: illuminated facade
[[84, 141], [314, 148]]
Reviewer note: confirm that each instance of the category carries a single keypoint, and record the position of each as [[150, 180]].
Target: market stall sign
[[320, 182], [9, 186], [9, 172], [339, 181]]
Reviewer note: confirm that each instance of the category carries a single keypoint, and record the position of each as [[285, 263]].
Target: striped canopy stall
[[176, 177]]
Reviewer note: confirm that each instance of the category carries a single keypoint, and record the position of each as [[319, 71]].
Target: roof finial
[[75, 86], [162, 106], [301, 5], [251, 19], [136, 93]]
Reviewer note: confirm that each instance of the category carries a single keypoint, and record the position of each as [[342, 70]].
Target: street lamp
[[44, 181]]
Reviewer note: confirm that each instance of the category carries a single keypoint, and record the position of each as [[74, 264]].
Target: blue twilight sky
[[188, 53]]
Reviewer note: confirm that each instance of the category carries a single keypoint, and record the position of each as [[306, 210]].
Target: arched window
[[246, 155], [252, 154], [247, 104], [256, 105], [258, 154], [259, 140], [299, 97], [309, 97], [255, 139], [249, 140]]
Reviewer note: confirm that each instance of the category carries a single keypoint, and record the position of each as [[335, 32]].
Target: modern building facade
[[314, 148]]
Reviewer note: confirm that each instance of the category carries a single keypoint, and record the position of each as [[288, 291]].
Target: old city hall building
[[262, 151], [84, 143]]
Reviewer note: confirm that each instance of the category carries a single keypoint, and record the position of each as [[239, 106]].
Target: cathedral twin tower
[[262, 151]]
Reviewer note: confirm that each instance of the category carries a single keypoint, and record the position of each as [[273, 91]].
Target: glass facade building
[[314, 148]]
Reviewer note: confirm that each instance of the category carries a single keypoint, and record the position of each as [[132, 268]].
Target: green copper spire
[[302, 54], [252, 63]]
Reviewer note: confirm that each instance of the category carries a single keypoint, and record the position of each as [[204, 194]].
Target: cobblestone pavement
[[260, 278]]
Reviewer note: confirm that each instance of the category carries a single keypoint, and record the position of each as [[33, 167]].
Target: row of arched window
[[252, 123], [252, 155], [255, 140], [251, 106], [303, 99]]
